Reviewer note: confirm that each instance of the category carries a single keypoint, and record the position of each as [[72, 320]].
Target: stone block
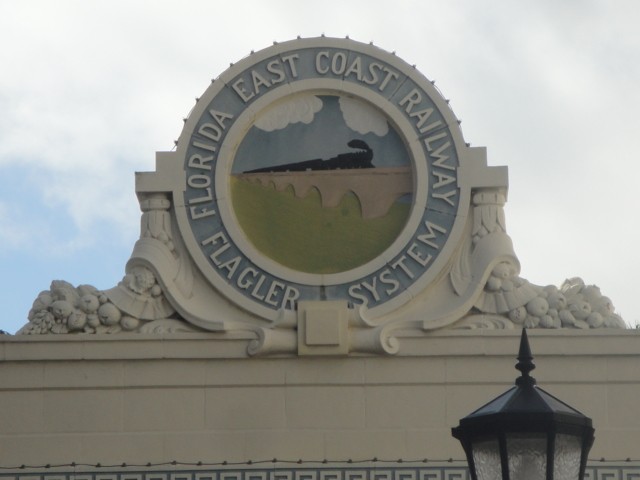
[[209, 446], [365, 444], [332, 371], [72, 411], [245, 408], [21, 375], [21, 412], [401, 406], [622, 406], [85, 374], [433, 444], [623, 368], [325, 407], [164, 409], [246, 372], [118, 448], [283, 444], [323, 328], [174, 373], [404, 370], [38, 449]]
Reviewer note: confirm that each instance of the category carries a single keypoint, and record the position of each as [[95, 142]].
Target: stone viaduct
[[376, 188]]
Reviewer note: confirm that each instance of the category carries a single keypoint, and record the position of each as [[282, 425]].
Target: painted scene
[[321, 184]]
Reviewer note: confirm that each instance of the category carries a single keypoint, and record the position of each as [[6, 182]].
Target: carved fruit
[[140, 279], [43, 301], [591, 293], [605, 306], [518, 315], [614, 321], [557, 300], [59, 328], [580, 309], [547, 321], [537, 307], [129, 323], [44, 318], [93, 320], [567, 318], [89, 303], [502, 270], [76, 321], [531, 322], [507, 285], [494, 283], [595, 320], [109, 314], [61, 309]]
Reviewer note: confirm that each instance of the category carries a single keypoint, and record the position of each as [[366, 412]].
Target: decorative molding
[[370, 471]]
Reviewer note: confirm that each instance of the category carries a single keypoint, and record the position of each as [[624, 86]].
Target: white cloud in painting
[[296, 109], [363, 118]]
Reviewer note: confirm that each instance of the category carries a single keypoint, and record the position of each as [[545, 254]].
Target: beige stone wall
[[139, 399]]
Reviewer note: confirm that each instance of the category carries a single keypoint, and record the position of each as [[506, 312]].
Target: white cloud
[[294, 109], [363, 118], [91, 90]]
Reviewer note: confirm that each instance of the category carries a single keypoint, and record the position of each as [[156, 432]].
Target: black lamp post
[[525, 433]]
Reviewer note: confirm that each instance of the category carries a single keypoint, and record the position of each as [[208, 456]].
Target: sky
[[90, 90]]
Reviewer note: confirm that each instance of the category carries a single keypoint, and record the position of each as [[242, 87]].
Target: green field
[[300, 234]]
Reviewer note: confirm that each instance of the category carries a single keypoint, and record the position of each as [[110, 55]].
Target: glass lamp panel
[[486, 457], [566, 464], [527, 457]]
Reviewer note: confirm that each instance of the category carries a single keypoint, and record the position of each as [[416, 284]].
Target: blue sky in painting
[[325, 137]]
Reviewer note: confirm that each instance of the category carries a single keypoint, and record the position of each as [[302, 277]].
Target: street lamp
[[525, 433]]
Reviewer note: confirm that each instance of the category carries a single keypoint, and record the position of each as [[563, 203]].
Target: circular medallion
[[321, 207], [320, 169]]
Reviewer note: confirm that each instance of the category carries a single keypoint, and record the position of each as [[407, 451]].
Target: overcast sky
[[90, 90]]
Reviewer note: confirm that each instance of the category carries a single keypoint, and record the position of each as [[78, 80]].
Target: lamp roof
[[524, 407]]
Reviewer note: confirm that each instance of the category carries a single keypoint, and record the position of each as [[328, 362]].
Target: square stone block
[[323, 328]]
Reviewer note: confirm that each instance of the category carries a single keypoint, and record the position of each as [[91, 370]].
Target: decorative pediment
[[321, 197]]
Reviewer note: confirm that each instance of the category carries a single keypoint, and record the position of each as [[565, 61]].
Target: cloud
[[13, 233], [296, 109], [362, 118], [94, 89]]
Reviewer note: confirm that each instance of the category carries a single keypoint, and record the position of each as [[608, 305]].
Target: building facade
[[323, 286]]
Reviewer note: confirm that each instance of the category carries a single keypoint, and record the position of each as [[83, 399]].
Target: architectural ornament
[[321, 201]]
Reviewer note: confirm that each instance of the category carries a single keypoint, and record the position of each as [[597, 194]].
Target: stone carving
[[173, 284], [85, 309], [509, 301], [139, 303], [64, 309], [135, 301]]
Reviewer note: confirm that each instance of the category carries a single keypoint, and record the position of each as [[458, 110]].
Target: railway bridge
[[376, 188]]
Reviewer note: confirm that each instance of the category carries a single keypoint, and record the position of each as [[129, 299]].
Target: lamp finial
[[525, 362]]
